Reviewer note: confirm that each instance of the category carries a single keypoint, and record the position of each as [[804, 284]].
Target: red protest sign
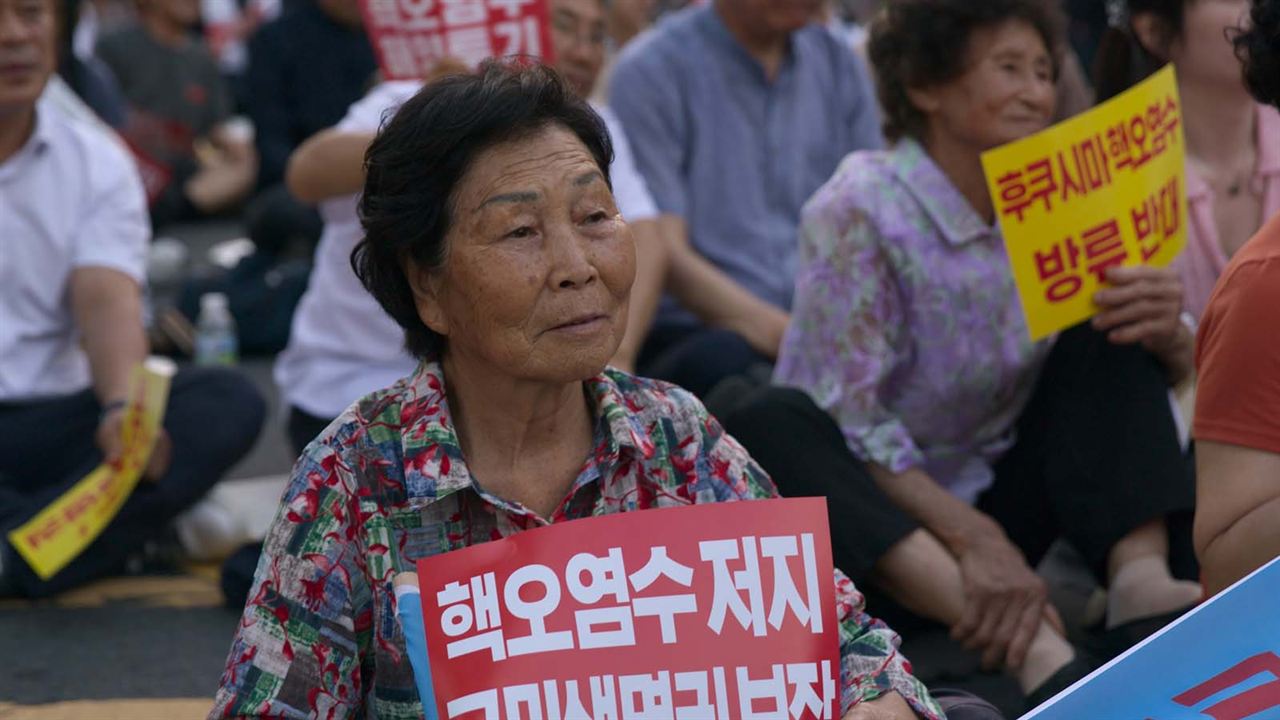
[[411, 36], [711, 612]]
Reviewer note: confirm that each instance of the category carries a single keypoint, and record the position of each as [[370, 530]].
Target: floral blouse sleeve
[[847, 325], [870, 664], [301, 646]]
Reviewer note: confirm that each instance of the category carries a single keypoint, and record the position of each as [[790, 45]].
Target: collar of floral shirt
[[951, 213], [433, 464]]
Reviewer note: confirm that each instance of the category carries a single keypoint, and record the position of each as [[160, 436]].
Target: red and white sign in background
[[708, 612], [411, 36]]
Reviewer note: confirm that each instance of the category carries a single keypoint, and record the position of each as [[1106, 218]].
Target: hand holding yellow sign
[[1106, 188], [60, 532]]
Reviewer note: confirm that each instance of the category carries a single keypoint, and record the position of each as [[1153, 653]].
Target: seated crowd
[[775, 212]]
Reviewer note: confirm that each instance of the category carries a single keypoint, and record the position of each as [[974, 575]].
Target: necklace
[[1234, 184]]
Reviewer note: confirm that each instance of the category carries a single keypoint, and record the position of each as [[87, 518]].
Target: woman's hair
[[1258, 47], [925, 43], [1122, 61], [414, 166]]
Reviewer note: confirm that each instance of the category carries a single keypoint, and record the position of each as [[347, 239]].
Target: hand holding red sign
[[713, 611], [411, 37]]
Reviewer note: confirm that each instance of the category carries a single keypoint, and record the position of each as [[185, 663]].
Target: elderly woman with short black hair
[[492, 238]]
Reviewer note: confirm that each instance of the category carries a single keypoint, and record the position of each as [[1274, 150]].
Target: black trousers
[[277, 222], [696, 358], [1096, 456], [46, 446]]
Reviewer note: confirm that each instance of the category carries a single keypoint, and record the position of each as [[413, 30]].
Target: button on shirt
[[342, 345], [387, 484], [70, 198], [907, 327], [733, 153]]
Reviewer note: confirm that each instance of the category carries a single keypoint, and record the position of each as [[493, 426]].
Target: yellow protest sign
[[1103, 189], [60, 532]]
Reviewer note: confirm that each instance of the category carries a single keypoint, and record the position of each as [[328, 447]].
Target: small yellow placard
[[60, 532], [1103, 189]]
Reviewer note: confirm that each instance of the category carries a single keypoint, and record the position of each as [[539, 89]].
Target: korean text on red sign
[[709, 612], [412, 36]]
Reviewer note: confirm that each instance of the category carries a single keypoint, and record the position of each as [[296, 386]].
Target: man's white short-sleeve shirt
[[69, 199]]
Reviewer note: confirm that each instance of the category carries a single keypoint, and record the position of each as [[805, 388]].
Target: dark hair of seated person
[[1258, 47], [924, 43], [1122, 61], [418, 159]]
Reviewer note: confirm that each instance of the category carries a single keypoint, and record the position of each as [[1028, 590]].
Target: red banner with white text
[[710, 612], [411, 36]]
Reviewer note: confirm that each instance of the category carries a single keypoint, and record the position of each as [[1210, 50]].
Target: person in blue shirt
[[738, 110]]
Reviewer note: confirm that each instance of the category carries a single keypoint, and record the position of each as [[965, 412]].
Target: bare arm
[[1237, 527], [329, 164], [717, 299], [107, 307], [953, 521], [646, 292], [1004, 598]]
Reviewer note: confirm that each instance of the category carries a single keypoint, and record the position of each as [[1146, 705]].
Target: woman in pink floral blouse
[[953, 450], [492, 238]]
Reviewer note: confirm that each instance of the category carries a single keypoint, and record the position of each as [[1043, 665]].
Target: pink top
[[1204, 260]]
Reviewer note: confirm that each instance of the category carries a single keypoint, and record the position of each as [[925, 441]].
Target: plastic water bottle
[[216, 340]]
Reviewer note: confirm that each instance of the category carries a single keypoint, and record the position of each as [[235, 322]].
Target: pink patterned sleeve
[[847, 325]]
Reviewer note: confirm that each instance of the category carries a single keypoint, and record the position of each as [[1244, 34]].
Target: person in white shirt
[[342, 345], [73, 242]]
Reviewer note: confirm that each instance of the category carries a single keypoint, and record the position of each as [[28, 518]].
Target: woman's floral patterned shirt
[[387, 484]]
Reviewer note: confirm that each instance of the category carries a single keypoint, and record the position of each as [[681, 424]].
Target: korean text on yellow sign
[[60, 532], [1103, 189]]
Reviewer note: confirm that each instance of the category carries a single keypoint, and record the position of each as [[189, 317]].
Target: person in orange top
[[1237, 419]]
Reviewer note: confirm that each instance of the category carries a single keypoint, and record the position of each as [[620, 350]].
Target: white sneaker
[[209, 531]]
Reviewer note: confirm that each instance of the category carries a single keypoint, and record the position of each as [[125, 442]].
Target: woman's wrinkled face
[[1006, 94], [539, 263]]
